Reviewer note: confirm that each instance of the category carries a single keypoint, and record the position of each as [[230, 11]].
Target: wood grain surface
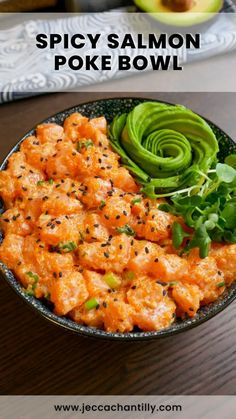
[[36, 357]]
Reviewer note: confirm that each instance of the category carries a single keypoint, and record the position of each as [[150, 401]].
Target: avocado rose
[[166, 147]]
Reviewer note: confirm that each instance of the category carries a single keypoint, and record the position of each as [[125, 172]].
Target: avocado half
[[202, 11]]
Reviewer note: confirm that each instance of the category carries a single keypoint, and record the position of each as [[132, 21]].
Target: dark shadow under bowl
[[110, 108]]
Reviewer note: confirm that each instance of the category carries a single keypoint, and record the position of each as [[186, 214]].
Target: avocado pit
[[179, 5]]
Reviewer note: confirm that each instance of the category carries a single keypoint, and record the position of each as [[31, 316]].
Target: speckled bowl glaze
[[109, 108]]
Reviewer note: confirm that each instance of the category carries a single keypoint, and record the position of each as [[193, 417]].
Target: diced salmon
[[36, 154], [111, 256], [8, 190], [144, 255], [11, 250], [61, 204], [96, 162], [117, 314], [68, 292], [187, 297], [170, 268], [94, 229], [122, 179], [153, 309], [225, 257], [92, 318], [100, 124], [116, 212], [94, 191], [57, 230], [96, 285], [71, 125], [206, 274], [47, 133], [14, 222], [64, 163]]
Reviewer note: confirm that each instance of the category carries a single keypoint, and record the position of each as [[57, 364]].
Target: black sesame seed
[[164, 284]]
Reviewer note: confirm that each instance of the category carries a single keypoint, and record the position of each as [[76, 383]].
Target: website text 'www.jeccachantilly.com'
[[117, 407]]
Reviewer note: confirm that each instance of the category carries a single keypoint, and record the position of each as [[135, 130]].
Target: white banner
[[108, 407]]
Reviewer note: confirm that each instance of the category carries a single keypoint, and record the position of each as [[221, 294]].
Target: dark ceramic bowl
[[109, 108]]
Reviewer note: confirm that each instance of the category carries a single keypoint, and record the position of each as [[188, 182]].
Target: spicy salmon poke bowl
[[118, 219]]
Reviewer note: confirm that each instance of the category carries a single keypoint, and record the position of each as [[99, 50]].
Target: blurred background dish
[[94, 5], [82, 6], [25, 5]]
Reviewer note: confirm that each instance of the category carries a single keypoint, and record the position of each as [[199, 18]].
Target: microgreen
[[178, 235], [211, 213]]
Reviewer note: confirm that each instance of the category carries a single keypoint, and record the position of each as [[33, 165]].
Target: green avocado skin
[[154, 7], [166, 147]]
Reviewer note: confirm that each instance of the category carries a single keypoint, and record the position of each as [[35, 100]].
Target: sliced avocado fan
[[166, 147]]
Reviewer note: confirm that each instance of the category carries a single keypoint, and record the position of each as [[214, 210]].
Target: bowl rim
[[68, 324]]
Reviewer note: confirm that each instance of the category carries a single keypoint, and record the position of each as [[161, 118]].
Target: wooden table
[[40, 358]]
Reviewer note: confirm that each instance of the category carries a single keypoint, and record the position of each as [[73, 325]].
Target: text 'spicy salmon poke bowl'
[[118, 219]]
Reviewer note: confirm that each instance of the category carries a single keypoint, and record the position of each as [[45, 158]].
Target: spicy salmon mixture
[[78, 232]]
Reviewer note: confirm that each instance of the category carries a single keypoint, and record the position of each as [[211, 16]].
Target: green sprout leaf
[[225, 173], [231, 160], [201, 240], [178, 235]]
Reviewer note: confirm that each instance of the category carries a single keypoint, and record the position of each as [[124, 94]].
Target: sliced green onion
[[67, 247], [92, 303], [136, 201], [112, 280], [84, 144], [102, 205], [129, 275], [220, 285], [33, 276], [126, 229]]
